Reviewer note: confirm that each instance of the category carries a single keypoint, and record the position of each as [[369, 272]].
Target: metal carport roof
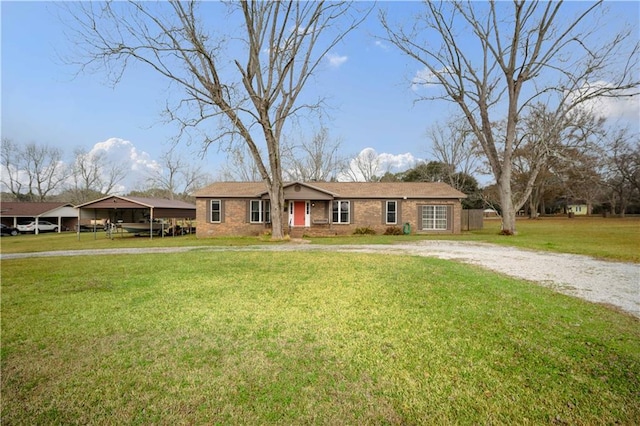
[[158, 208], [161, 208]]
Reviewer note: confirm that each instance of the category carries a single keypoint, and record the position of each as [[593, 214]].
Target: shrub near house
[[329, 208]]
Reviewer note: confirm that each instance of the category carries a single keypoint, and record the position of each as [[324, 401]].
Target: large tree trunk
[[622, 205], [276, 193], [506, 203], [534, 205]]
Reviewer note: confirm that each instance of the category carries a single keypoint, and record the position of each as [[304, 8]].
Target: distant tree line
[[36, 173]]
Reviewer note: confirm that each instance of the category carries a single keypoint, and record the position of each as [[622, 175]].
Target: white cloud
[[613, 108], [397, 163], [627, 108], [381, 45], [336, 60], [138, 164], [422, 78], [369, 163], [123, 151]]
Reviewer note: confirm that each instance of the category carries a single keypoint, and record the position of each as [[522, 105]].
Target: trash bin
[[571, 214], [406, 229]]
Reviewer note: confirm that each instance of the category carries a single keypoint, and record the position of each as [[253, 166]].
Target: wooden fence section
[[472, 219]]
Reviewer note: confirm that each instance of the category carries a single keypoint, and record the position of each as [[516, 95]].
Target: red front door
[[299, 210]]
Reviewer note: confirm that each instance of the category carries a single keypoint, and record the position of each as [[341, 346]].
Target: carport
[[119, 210], [61, 214]]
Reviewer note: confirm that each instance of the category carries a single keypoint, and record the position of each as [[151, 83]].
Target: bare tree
[[494, 59], [45, 170], [455, 144], [12, 172], [253, 96], [583, 179], [364, 167], [549, 143], [317, 160], [624, 152], [240, 166], [622, 175], [177, 177], [93, 175], [32, 172]]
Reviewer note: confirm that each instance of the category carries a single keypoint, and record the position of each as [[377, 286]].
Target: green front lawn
[[611, 238], [305, 338]]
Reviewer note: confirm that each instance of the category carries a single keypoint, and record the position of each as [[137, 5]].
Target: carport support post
[[151, 223]]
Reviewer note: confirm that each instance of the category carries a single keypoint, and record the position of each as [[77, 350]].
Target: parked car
[[8, 230], [43, 226]]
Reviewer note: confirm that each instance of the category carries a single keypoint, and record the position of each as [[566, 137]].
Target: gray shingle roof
[[340, 189]]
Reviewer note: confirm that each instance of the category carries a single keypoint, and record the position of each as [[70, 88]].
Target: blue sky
[[42, 101]]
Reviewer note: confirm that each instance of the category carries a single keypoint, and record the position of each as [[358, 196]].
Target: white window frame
[[434, 218], [340, 211], [218, 210], [263, 212], [395, 212]]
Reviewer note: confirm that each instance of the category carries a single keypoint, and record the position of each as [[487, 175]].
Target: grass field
[[610, 238], [254, 338], [310, 338]]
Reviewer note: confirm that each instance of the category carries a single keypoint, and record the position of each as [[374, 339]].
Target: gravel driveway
[[613, 283]]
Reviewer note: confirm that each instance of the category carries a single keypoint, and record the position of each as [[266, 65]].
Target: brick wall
[[370, 213], [234, 220], [365, 213]]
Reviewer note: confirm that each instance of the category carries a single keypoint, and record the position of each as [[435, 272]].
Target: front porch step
[[296, 232]]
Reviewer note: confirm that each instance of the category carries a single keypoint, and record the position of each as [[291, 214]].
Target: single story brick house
[[329, 208]]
